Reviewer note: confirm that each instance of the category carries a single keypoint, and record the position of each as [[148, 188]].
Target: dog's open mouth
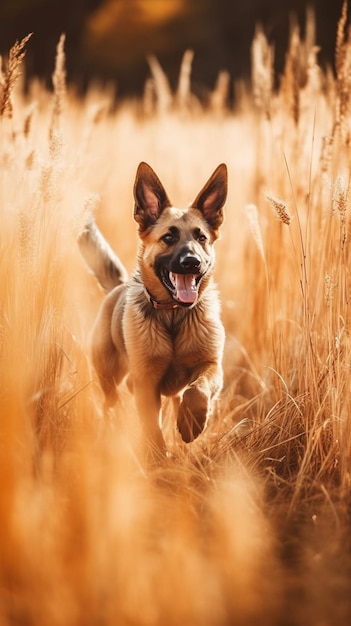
[[184, 287]]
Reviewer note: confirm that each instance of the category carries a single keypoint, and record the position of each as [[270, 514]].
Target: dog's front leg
[[196, 404], [148, 403]]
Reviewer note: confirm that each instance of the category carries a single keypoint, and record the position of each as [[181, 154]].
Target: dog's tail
[[101, 259]]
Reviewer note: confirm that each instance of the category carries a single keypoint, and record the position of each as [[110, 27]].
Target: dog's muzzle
[[184, 276], [182, 273]]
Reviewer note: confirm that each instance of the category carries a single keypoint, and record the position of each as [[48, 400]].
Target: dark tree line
[[219, 31]]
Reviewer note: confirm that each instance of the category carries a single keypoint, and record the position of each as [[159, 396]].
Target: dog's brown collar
[[161, 305]]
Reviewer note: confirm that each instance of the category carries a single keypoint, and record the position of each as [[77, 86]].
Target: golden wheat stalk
[[219, 97], [27, 122], [262, 60], [292, 74], [340, 40], [343, 70], [183, 95], [2, 76], [59, 84], [9, 78], [279, 207], [255, 228], [162, 87]]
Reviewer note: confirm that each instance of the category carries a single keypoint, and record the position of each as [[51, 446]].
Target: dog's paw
[[192, 414]]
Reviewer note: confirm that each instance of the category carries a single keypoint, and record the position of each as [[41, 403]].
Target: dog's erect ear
[[149, 195], [212, 197]]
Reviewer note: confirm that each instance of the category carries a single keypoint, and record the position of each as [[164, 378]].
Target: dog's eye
[[169, 238], [199, 236]]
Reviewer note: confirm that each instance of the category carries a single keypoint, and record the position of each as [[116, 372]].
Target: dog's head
[[177, 244]]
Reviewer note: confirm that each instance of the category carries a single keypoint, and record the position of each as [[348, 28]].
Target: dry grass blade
[[254, 224], [162, 87], [343, 67], [292, 74], [219, 97], [59, 84], [340, 40], [300, 72], [2, 76], [262, 61], [184, 95]]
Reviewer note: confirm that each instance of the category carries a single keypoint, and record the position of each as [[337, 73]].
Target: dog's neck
[[161, 305]]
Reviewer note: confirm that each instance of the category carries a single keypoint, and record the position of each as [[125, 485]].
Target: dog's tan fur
[[168, 346]]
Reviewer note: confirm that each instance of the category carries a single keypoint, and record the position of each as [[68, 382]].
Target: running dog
[[162, 326]]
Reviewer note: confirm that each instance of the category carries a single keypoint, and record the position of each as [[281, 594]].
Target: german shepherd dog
[[162, 326]]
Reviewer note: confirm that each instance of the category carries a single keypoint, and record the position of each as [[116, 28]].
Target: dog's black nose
[[189, 262]]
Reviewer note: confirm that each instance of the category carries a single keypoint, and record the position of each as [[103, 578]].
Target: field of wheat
[[251, 523]]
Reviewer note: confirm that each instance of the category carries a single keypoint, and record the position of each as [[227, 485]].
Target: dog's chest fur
[[173, 344]]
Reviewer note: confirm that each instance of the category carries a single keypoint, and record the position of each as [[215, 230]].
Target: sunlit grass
[[248, 525]]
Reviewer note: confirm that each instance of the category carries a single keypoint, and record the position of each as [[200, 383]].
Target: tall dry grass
[[250, 524]]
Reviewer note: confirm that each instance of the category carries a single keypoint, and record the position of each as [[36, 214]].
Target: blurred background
[[109, 40]]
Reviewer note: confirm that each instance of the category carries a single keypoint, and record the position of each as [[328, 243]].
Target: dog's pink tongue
[[185, 285]]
